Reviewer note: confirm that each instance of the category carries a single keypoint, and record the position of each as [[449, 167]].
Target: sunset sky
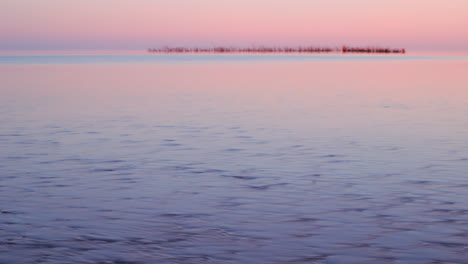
[[141, 24]]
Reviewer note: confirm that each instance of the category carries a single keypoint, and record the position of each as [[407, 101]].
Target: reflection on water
[[234, 161]]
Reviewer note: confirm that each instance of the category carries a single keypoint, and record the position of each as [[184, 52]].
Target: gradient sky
[[141, 24]]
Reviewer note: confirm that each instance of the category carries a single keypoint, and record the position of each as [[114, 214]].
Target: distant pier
[[346, 49], [266, 49]]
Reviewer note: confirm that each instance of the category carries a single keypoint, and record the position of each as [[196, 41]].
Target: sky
[[142, 24]]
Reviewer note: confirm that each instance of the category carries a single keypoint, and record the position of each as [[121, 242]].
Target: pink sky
[[141, 24]]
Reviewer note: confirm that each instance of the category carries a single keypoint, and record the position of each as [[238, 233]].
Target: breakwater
[[286, 49]]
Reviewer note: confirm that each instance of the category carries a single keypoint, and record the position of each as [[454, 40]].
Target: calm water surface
[[233, 159]]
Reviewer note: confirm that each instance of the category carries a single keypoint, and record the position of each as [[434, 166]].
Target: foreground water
[[235, 159]]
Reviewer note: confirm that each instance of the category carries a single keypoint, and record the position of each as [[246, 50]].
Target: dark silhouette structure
[[285, 49]]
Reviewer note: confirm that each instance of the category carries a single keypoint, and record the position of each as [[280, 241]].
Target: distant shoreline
[[279, 50]]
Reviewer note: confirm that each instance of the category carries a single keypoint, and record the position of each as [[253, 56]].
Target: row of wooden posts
[[265, 49]]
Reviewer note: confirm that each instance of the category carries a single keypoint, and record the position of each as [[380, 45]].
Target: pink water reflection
[[253, 84], [312, 96]]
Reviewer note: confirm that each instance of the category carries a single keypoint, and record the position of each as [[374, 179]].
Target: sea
[[234, 158]]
